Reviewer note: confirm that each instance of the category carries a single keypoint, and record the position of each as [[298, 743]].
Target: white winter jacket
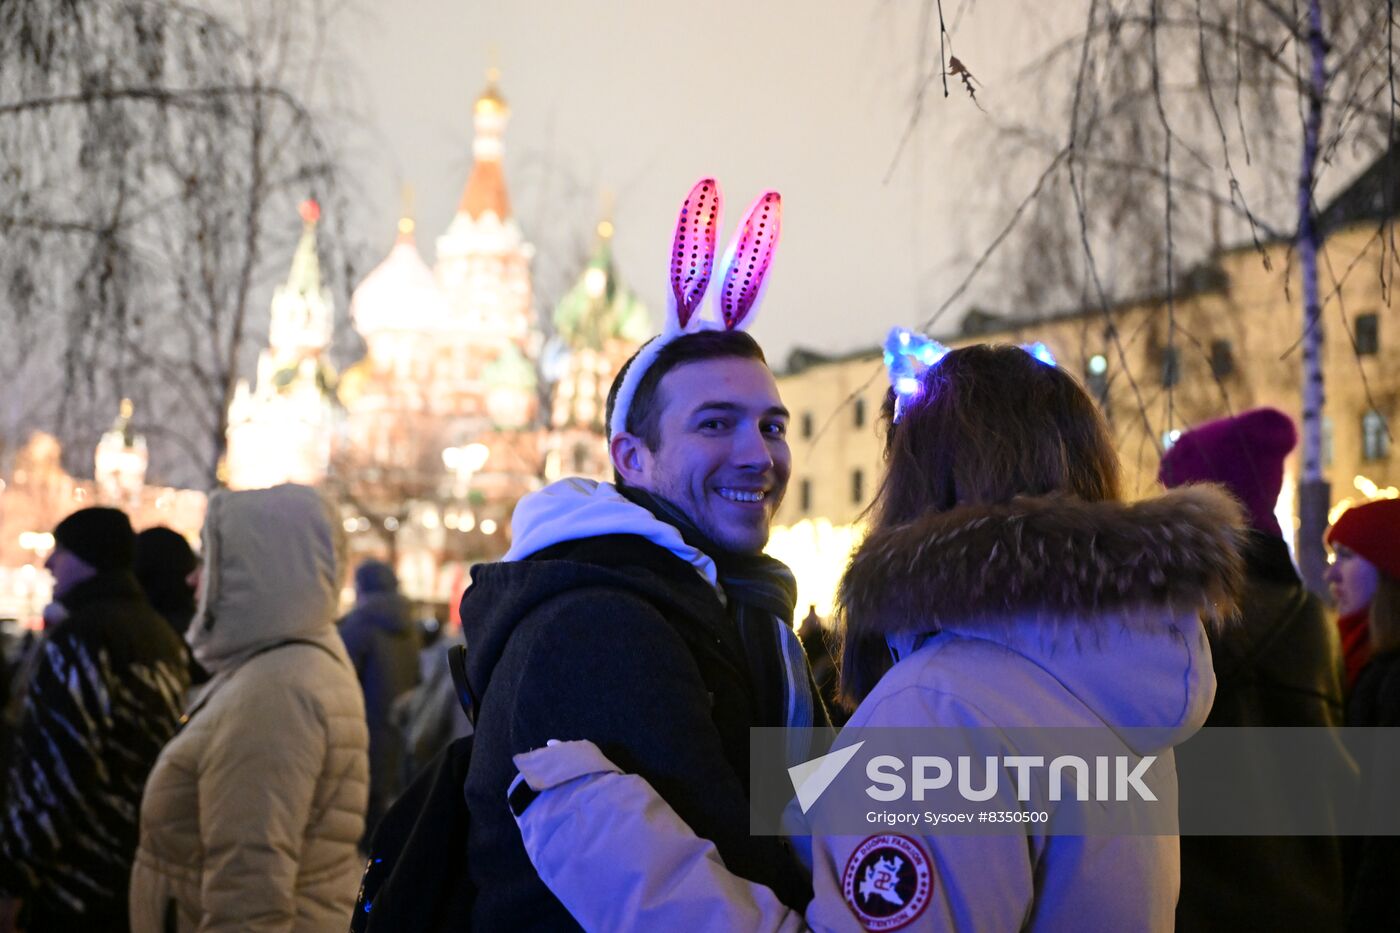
[[1042, 613]]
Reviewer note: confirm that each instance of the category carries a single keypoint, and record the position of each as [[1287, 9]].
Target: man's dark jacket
[[617, 640], [1278, 665], [105, 697]]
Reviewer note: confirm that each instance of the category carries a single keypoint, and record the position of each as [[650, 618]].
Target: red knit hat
[[1372, 530], [1244, 453]]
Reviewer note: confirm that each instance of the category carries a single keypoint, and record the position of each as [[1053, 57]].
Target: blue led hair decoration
[[909, 354], [1041, 352]]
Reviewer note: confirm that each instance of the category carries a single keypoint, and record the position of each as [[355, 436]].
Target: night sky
[[642, 98]]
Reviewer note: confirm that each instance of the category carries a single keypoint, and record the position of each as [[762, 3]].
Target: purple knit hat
[[1244, 453]]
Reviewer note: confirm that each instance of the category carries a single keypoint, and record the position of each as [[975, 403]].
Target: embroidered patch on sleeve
[[888, 882]]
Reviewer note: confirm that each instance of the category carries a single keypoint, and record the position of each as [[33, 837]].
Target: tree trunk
[[1314, 493], [245, 287]]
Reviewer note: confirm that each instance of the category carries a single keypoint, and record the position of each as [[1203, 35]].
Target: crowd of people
[[194, 741], [197, 744]]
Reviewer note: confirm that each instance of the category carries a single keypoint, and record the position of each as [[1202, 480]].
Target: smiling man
[[643, 615]]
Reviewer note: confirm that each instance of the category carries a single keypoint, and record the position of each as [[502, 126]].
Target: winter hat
[[100, 537], [374, 576], [1372, 530], [164, 561], [1244, 453]]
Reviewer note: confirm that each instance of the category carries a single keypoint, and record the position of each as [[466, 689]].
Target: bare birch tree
[[152, 154], [1194, 121]]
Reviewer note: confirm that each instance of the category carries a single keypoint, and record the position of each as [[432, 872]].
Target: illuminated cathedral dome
[[399, 294], [600, 308]]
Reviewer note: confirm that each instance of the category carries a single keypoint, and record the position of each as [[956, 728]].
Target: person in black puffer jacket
[[106, 695]]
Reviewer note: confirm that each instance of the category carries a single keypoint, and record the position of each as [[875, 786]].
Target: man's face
[[68, 570], [1352, 579], [723, 457]]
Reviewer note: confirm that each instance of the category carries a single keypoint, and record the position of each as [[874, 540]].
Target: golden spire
[[491, 100], [605, 225], [406, 224]]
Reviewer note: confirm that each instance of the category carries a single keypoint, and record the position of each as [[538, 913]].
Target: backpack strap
[[457, 665]]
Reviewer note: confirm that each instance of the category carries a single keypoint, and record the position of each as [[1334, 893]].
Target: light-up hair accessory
[[909, 354], [743, 278], [1041, 352]]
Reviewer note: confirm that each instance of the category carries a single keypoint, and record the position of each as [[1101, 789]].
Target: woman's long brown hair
[[990, 423]]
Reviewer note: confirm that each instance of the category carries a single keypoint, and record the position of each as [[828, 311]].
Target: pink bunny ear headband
[[909, 354], [742, 281]]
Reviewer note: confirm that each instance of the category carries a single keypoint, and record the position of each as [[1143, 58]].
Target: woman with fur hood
[[1004, 584], [250, 817]]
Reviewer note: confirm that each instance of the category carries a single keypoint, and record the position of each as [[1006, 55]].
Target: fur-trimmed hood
[[1104, 599], [1053, 558]]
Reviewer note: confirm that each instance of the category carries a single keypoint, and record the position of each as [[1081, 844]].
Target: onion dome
[[399, 294], [599, 307]]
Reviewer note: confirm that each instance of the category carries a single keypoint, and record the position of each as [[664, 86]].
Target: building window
[[860, 413], [1222, 358], [1368, 335], [1171, 367], [804, 496], [1375, 440], [806, 425], [857, 486], [1096, 376]]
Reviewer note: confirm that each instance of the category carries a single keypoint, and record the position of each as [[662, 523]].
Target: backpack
[[416, 877]]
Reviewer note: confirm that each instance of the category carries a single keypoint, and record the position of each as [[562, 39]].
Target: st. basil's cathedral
[[464, 401]]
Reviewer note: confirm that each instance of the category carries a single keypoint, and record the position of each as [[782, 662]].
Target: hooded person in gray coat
[[383, 644]]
